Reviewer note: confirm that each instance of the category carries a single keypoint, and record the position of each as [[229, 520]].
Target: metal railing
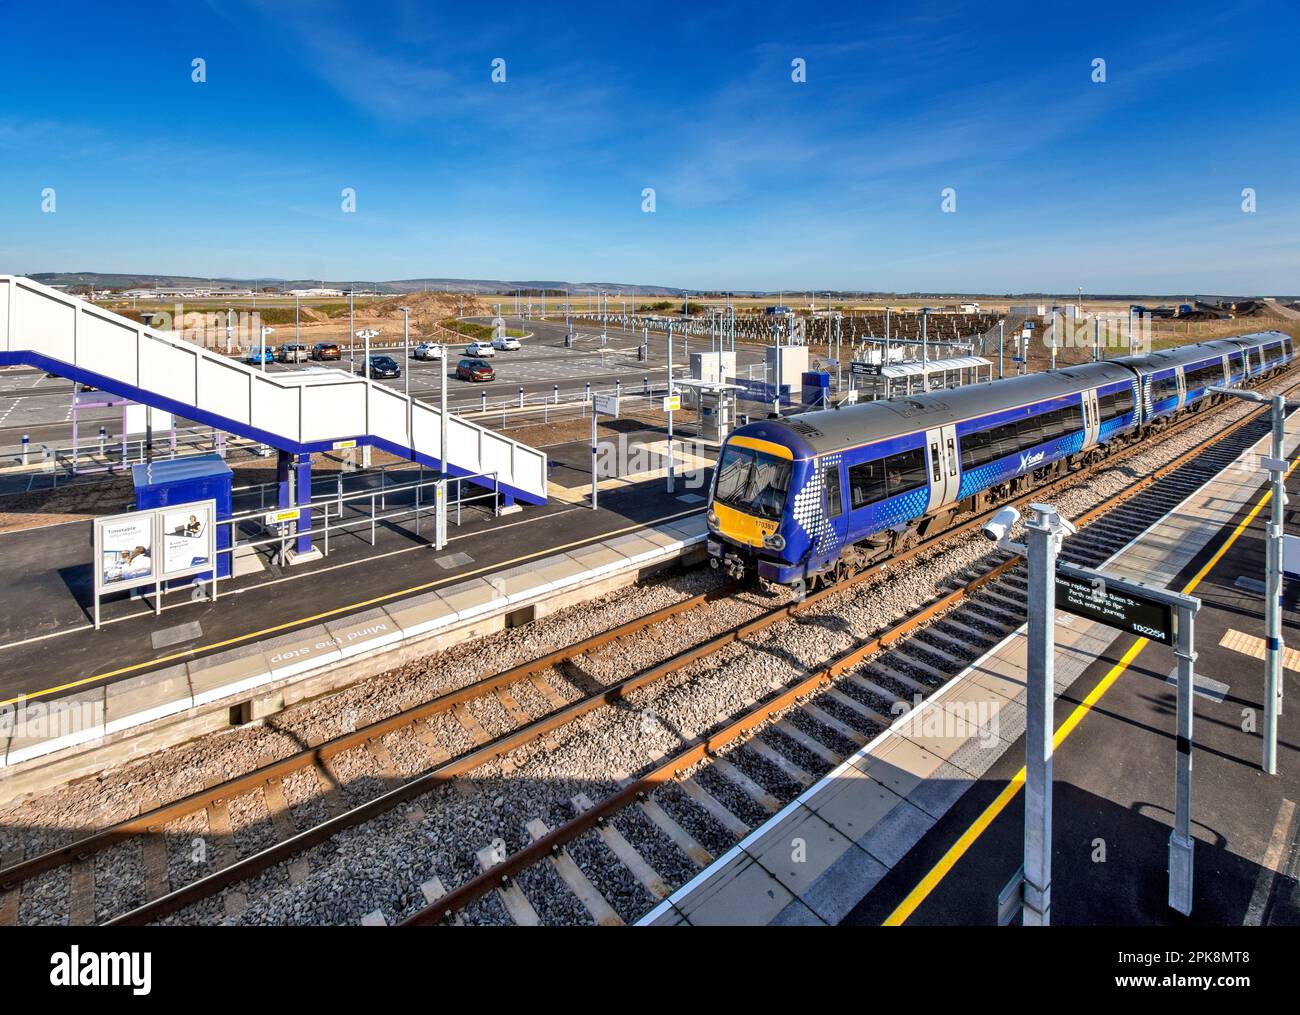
[[327, 514]]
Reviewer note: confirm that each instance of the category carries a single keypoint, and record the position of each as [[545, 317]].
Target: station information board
[[1118, 608]]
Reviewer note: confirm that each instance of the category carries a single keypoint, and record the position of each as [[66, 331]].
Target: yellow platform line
[[426, 586], [958, 849]]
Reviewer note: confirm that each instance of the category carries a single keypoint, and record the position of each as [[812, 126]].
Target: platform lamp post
[[925, 352], [1001, 326], [1045, 532], [671, 463], [297, 318], [406, 347], [1277, 467]]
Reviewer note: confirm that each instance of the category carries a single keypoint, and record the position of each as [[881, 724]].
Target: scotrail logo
[[1028, 461], [76, 968]]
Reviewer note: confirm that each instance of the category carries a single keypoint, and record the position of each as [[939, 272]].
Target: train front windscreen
[[752, 481]]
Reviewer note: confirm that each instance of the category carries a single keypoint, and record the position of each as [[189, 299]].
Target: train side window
[[952, 458], [936, 468], [831, 480], [976, 449], [905, 471], [866, 483], [1028, 433]]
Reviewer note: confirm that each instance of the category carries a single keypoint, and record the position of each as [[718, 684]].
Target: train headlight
[[712, 518], [775, 541]]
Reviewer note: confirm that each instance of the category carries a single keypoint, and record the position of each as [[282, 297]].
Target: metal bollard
[[26, 442], [103, 437], [645, 384], [483, 402], [618, 388], [557, 394], [521, 396]]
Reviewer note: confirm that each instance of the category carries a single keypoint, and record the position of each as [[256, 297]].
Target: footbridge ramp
[[297, 413]]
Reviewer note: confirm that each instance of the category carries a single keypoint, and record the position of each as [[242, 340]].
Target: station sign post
[[1169, 618], [601, 405]]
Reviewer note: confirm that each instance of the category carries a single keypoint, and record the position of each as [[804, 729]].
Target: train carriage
[[792, 495], [818, 494]]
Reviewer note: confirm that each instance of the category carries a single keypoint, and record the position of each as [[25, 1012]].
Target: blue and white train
[[818, 495]]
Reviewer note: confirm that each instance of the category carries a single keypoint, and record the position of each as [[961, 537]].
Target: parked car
[[292, 352], [506, 343], [427, 350], [260, 354], [480, 349], [325, 350], [475, 370], [381, 368]]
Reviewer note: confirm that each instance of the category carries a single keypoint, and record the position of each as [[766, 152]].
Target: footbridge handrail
[[295, 411]]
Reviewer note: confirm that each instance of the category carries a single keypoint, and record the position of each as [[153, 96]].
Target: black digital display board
[[1126, 611]]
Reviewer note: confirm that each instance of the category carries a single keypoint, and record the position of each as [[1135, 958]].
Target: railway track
[[701, 811]]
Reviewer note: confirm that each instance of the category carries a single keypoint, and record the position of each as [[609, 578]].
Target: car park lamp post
[[262, 351], [297, 318], [406, 346], [1277, 467]]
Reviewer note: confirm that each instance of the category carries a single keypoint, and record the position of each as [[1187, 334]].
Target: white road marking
[[1270, 865]]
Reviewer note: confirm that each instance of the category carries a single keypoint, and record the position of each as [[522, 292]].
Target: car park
[[480, 349], [475, 370], [427, 350], [325, 350], [382, 368], [506, 343], [292, 352]]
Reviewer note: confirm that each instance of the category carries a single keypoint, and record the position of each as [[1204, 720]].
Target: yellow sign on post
[[672, 403], [287, 515]]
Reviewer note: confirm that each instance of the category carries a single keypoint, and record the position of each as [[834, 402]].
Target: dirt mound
[[427, 306]]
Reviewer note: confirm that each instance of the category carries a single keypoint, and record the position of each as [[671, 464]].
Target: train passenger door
[[1182, 386], [944, 465], [1091, 418]]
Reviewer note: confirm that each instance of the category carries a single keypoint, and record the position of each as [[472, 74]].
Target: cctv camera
[[997, 527]]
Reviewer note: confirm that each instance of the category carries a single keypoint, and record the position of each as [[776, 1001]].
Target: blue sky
[[1131, 185]]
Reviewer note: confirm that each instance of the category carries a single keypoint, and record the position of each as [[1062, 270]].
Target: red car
[[475, 370]]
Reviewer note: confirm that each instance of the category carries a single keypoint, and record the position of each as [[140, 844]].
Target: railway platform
[[923, 824], [275, 636]]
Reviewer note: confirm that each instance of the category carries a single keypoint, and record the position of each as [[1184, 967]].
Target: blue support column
[[303, 488], [283, 461]]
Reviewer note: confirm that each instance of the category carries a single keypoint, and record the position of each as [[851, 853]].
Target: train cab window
[[752, 481], [831, 480]]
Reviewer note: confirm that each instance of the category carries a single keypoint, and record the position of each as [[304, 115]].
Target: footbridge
[[296, 413]]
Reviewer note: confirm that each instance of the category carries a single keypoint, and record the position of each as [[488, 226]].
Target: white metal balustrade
[[298, 412]]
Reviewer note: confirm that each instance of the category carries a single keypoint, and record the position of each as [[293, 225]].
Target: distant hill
[[110, 280]]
